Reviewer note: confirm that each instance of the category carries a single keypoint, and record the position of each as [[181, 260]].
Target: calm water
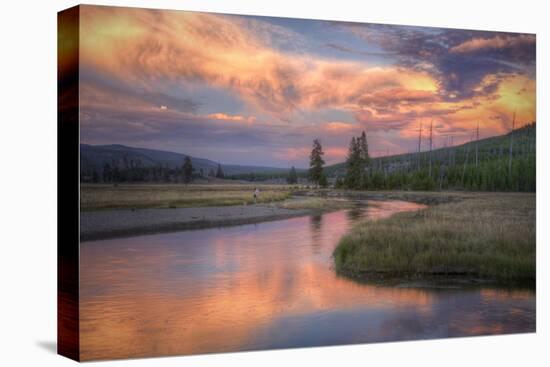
[[262, 286]]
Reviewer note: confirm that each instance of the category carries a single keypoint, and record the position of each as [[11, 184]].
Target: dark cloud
[[345, 49], [480, 53], [389, 99]]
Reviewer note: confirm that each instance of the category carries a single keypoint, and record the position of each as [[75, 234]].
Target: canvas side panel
[[68, 334]]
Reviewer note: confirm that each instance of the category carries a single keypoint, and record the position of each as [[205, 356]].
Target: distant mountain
[[94, 157]]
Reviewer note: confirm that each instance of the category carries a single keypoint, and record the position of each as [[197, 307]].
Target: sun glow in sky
[[258, 90]]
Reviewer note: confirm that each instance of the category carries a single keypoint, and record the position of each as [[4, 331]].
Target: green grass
[[98, 197], [490, 236]]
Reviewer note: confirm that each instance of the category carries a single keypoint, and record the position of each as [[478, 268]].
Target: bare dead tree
[[431, 140], [465, 161], [511, 147], [477, 142], [453, 150], [441, 176], [419, 145]]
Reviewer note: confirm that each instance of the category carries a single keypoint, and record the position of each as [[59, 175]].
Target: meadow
[[140, 196], [487, 236]]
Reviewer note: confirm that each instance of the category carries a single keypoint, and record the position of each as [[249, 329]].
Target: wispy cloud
[[155, 77], [498, 42], [226, 117], [170, 46]]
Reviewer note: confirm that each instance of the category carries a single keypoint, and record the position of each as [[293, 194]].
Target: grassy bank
[[490, 236], [421, 197], [97, 197], [317, 204]]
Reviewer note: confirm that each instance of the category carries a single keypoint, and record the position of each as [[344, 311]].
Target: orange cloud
[[142, 47], [514, 94], [477, 44], [339, 127], [393, 96], [493, 111], [226, 117], [335, 154], [293, 154], [147, 49]]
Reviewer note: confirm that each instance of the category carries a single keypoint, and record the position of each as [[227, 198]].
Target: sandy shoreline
[[96, 225]]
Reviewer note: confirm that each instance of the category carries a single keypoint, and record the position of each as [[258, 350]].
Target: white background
[[28, 183]]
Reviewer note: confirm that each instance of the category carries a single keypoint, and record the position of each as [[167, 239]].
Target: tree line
[[290, 177], [134, 171], [506, 163]]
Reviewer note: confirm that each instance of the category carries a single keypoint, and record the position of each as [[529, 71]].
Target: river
[[263, 286]]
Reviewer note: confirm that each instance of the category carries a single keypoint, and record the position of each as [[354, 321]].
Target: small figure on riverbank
[[256, 195]]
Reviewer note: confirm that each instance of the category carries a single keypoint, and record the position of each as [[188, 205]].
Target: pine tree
[[364, 149], [187, 170], [353, 173], [364, 159], [292, 176], [323, 181], [219, 173], [357, 162], [316, 162], [107, 173]]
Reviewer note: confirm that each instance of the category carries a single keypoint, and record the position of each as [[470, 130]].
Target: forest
[[501, 163]]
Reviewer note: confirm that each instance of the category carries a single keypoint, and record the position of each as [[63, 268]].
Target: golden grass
[[316, 203], [484, 235], [96, 197]]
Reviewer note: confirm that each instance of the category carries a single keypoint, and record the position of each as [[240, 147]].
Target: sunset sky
[[258, 90]]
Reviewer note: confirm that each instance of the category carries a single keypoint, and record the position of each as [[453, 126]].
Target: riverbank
[[103, 224], [488, 236], [419, 197]]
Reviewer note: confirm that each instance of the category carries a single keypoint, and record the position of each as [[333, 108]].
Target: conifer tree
[[187, 170], [219, 173], [357, 162], [292, 176], [316, 162], [353, 173]]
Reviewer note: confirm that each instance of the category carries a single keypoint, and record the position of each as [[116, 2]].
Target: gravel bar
[[96, 225]]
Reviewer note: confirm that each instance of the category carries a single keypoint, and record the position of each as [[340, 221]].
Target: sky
[[257, 90]]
